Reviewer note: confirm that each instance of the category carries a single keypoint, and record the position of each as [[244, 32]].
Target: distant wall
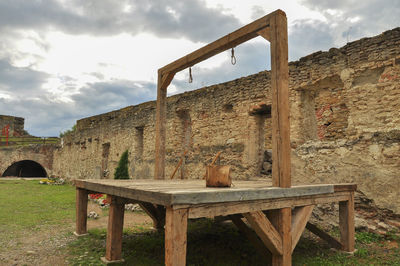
[[345, 112], [16, 125]]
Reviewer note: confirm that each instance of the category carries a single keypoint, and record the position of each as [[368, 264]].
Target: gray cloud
[[46, 115], [191, 19], [251, 58], [350, 20], [308, 36], [19, 80]]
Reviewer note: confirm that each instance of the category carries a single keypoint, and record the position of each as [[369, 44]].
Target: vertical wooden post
[[114, 230], [280, 113], [346, 223], [161, 113], [281, 219], [280, 101], [81, 212], [161, 120], [175, 237]]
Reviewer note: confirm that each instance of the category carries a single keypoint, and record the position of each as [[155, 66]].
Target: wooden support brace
[[114, 230], [333, 242], [175, 236], [300, 217], [265, 230], [251, 236], [265, 33], [156, 213], [346, 223], [81, 212]]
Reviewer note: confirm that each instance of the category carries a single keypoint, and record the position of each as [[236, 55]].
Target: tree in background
[[121, 172], [68, 131]]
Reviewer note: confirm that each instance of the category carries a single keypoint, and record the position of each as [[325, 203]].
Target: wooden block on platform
[[218, 176]]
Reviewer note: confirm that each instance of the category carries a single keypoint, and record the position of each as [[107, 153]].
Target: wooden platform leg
[[282, 220], [114, 230], [81, 212], [346, 223], [175, 237]]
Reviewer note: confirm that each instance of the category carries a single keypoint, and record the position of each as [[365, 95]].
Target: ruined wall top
[[15, 125], [366, 53]]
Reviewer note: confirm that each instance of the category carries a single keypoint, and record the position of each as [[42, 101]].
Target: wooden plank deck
[[192, 192]]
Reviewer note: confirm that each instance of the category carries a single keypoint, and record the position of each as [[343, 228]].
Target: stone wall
[[345, 112], [16, 125], [40, 153]]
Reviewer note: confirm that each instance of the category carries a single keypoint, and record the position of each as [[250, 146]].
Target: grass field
[[28, 206], [24, 141]]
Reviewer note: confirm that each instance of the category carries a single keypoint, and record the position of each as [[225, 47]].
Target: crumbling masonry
[[345, 125]]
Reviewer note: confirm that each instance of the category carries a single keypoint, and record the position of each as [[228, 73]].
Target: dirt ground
[[42, 246]]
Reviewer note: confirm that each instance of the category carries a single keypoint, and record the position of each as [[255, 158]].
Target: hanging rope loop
[[190, 75], [233, 58]]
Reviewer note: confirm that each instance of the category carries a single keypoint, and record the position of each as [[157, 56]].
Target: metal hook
[[233, 58], [190, 75]]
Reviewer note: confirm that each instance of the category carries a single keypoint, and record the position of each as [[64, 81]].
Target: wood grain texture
[[345, 187], [114, 229], [300, 217], [246, 231], [265, 230], [281, 219], [265, 33], [161, 119], [218, 176], [228, 41], [280, 102], [175, 237], [81, 211], [173, 192], [346, 223], [228, 208]]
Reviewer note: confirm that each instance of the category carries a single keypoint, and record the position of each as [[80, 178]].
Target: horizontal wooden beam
[[233, 39], [228, 208]]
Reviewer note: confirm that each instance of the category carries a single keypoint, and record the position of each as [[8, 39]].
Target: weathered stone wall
[[345, 112], [16, 124]]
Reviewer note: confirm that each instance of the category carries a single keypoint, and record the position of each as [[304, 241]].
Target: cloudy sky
[[62, 60]]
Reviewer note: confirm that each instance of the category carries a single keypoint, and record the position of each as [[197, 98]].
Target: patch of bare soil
[[44, 246]]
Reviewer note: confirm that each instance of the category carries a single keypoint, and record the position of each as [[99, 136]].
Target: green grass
[[30, 205], [212, 243], [25, 141]]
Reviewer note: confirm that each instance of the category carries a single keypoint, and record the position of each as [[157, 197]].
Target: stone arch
[[25, 168]]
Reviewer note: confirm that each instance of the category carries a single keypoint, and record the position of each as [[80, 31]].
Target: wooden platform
[[172, 202], [172, 192]]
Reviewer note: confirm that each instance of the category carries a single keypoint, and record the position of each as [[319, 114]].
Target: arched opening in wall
[[186, 137], [25, 168], [259, 153]]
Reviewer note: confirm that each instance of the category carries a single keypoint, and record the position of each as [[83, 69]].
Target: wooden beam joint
[[265, 230]]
